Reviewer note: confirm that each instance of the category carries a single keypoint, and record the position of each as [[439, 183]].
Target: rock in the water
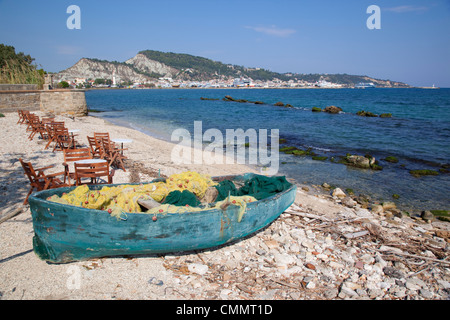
[[339, 193], [228, 98], [427, 215], [363, 113], [391, 159], [359, 161], [332, 109]]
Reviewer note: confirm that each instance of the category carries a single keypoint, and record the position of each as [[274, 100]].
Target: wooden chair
[[93, 171], [57, 124], [35, 124], [109, 150], [28, 120], [42, 130], [72, 155], [22, 116], [63, 139], [40, 180], [50, 128], [48, 120], [95, 149], [50, 135], [113, 154], [37, 127], [101, 135]]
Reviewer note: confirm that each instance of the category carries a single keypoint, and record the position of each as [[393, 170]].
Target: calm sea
[[418, 133]]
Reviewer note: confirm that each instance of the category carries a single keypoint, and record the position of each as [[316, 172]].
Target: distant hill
[[149, 65]]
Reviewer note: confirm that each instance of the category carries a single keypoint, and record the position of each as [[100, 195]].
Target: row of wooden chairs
[[83, 173], [102, 147], [90, 172], [48, 129]]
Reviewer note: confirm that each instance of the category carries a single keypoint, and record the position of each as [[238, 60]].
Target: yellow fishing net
[[119, 200], [192, 181], [240, 201], [170, 208], [124, 199]]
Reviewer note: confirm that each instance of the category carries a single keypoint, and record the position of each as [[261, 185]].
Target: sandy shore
[[25, 276]]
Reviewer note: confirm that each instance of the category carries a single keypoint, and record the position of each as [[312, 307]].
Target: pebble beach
[[326, 246]]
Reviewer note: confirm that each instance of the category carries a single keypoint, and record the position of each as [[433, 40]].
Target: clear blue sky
[[412, 46]]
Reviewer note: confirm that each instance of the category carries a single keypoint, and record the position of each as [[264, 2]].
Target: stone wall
[[19, 96], [27, 97], [18, 87], [68, 102]]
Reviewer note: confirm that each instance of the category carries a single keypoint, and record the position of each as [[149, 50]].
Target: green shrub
[[63, 84]]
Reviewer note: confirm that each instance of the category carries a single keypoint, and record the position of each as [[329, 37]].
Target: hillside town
[[151, 69], [167, 82]]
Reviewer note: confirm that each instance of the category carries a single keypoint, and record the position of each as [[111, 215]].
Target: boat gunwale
[[40, 197]]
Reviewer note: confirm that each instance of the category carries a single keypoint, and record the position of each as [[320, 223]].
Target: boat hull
[[66, 233]]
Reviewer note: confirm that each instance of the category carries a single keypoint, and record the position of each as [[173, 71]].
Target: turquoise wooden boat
[[64, 233]]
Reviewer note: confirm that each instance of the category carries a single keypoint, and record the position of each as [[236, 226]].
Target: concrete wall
[[27, 97]]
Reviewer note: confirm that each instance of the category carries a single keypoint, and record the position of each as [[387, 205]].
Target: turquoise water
[[418, 133]]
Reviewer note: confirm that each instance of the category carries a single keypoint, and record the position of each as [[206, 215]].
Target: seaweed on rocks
[[423, 172], [363, 113], [391, 159], [363, 162], [332, 109]]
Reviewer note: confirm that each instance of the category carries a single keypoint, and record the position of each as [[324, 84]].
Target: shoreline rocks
[[363, 162], [363, 113], [332, 109], [316, 253], [318, 248]]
